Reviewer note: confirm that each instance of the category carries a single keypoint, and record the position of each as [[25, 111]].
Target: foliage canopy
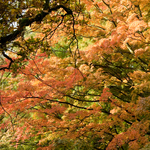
[[75, 74]]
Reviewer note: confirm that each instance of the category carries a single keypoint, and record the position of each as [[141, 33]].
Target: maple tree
[[75, 74]]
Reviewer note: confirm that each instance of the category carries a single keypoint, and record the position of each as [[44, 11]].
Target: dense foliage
[[75, 74]]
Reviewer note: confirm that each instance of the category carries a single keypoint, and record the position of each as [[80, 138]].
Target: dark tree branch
[[107, 6], [138, 7], [37, 18], [11, 61], [61, 102]]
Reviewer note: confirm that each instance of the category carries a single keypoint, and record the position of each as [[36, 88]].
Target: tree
[[81, 79]]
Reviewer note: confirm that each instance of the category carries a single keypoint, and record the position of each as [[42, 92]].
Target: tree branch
[[11, 61], [29, 21]]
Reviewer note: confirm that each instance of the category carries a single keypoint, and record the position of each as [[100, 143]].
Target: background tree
[[77, 75]]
